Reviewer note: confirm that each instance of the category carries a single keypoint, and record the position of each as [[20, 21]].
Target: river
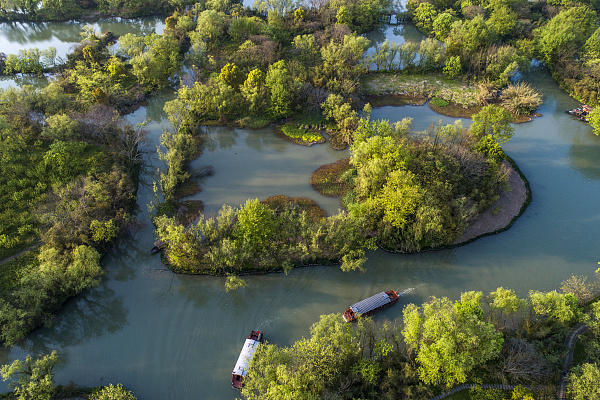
[[168, 336]]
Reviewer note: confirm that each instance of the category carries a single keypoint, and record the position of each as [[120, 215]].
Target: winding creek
[[169, 336]]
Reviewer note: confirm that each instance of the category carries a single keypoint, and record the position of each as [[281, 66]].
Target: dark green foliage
[[437, 102], [568, 45], [67, 177]]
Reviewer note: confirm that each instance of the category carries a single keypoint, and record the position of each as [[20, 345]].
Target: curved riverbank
[[499, 217]]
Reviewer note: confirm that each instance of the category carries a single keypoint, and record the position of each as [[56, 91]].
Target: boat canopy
[[371, 303], [241, 366]]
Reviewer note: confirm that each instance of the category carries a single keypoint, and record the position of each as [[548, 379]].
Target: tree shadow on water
[[95, 313]]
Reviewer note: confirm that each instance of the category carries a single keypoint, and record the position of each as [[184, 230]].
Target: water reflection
[[96, 313], [15, 36], [215, 138], [584, 155], [20, 80]]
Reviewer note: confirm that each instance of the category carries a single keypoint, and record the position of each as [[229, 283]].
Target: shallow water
[[169, 336]]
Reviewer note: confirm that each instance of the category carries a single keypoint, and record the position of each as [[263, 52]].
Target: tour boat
[[370, 305], [581, 112], [241, 366]]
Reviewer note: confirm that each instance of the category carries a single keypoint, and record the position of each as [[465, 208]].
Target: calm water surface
[[63, 36], [168, 336]]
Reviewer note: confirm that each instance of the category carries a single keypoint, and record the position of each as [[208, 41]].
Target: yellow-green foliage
[[300, 134]]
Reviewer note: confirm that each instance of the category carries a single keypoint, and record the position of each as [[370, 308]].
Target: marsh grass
[[327, 179], [282, 202], [520, 99]]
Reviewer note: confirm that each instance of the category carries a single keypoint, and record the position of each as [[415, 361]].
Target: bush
[[112, 392], [438, 102], [301, 134], [521, 99]]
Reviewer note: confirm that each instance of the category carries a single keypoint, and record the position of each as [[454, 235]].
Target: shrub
[[521, 99], [300, 134], [112, 392], [438, 102]]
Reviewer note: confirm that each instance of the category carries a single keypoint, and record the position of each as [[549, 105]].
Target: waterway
[[169, 336]]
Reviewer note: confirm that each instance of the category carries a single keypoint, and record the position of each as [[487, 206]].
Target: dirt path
[[19, 254], [502, 212], [561, 393]]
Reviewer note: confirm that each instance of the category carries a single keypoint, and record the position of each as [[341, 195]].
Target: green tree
[[32, 379], [344, 16], [554, 306], [502, 20], [182, 245], [342, 64], [495, 121], [468, 36], [424, 16], [256, 225], [584, 382], [592, 46], [65, 160], [442, 24], [521, 393], [241, 28], [84, 270], [452, 67], [255, 91], [449, 340], [60, 127], [280, 84], [565, 33], [112, 392], [505, 302], [210, 27], [310, 369], [594, 321], [231, 75]]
